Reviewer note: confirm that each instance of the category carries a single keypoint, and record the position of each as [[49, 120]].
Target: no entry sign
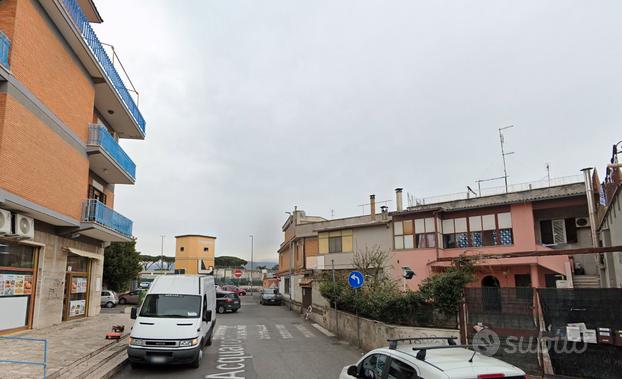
[[238, 273]]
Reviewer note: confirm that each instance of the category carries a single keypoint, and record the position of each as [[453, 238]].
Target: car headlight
[[137, 342], [187, 343]]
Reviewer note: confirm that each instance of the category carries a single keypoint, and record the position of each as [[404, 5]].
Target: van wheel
[[197, 362], [221, 309]]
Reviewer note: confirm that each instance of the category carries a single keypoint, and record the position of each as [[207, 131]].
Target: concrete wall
[[371, 237], [371, 334], [612, 236]]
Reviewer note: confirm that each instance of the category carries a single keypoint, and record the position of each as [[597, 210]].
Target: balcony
[[107, 159], [104, 224], [112, 95], [5, 46]]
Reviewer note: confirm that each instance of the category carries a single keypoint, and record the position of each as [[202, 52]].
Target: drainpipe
[[591, 207]]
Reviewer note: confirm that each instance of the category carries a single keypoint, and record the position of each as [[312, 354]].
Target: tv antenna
[[503, 154]]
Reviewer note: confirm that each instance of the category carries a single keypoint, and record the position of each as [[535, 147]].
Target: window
[[558, 231], [181, 248], [478, 231], [94, 193], [375, 363], [205, 249], [414, 234], [401, 370], [335, 242]]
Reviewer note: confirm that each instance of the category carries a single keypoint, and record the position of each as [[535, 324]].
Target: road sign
[[356, 279], [237, 273]]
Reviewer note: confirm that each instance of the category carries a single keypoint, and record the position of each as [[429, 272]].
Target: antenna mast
[[503, 154]]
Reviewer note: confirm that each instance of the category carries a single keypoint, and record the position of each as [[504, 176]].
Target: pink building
[[426, 236]]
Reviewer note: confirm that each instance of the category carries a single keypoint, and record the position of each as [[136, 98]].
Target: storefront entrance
[[77, 281], [17, 285]]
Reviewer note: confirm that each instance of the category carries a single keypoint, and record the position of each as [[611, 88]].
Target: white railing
[[489, 191]]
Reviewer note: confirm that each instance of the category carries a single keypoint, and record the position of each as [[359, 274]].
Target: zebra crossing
[[263, 332]]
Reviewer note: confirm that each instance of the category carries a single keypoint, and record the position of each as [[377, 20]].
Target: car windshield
[[270, 291], [176, 306]]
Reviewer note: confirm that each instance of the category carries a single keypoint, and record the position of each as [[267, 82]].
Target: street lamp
[[252, 246]]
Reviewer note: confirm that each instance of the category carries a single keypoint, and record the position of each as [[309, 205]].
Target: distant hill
[[268, 264]]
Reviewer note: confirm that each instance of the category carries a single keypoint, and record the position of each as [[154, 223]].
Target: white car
[[412, 361]]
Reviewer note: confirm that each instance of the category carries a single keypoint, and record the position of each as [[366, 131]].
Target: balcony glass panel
[[100, 53], [99, 136], [95, 211], [5, 45]]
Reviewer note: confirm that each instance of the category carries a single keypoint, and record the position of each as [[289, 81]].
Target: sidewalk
[[68, 343]]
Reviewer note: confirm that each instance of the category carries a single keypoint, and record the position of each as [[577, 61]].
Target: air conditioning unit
[[5, 222], [23, 226], [582, 222]]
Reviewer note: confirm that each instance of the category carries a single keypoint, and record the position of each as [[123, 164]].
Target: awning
[[86, 254]]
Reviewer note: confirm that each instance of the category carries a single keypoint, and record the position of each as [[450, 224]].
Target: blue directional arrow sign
[[356, 279]]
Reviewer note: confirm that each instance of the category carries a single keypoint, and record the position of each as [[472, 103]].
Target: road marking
[[219, 334], [285, 334], [305, 332], [241, 332], [321, 329], [263, 332]]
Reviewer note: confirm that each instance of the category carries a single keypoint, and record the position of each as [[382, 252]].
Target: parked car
[[236, 289], [438, 361], [270, 296], [109, 299], [132, 297], [227, 301], [175, 322]]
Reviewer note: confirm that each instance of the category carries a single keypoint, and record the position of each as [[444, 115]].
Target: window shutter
[[559, 231]]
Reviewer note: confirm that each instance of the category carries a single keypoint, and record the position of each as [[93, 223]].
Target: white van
[[175, 321]]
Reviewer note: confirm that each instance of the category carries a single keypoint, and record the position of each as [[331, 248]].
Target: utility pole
[[503, 154], [252, 246]]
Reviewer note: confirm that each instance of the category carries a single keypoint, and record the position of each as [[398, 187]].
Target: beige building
[[194, 254]]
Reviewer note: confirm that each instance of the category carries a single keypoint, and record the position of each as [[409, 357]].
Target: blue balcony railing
[[5, 45], [99, 136], [95, 211], [104, 60]]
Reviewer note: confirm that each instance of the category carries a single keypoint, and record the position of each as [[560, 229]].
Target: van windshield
[[176, 306]]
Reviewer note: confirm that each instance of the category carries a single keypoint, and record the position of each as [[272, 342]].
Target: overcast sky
[[253, 107]]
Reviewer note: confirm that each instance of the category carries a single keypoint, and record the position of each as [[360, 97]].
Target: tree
[[121, 264], [374, 264], [228, 261], [446, 289], [275, 267]]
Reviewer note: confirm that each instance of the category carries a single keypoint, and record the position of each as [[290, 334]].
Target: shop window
[[17, 281]]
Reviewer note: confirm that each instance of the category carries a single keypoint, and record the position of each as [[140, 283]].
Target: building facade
[[194, 254], [427, 237], [63, 110]]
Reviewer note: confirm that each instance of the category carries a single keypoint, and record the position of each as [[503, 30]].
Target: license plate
[[157, 359]]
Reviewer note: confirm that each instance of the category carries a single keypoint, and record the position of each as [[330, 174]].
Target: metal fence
[[98, 50], [99, 136], [14, 341]]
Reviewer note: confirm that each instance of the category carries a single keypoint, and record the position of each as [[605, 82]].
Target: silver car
[[109, 299]]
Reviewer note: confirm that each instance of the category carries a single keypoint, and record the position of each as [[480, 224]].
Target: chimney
[[372, 206], [385, 212], [398, 199]]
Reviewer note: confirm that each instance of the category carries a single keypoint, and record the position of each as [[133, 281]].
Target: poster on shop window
[[78, 285], [77, 307], [12, 284]]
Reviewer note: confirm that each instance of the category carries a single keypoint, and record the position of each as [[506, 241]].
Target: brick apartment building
[[63, 109]]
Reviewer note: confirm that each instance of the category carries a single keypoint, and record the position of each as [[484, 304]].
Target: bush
[[446, 289]]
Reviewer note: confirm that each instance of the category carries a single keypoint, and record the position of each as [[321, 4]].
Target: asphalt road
[[275, 342]]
